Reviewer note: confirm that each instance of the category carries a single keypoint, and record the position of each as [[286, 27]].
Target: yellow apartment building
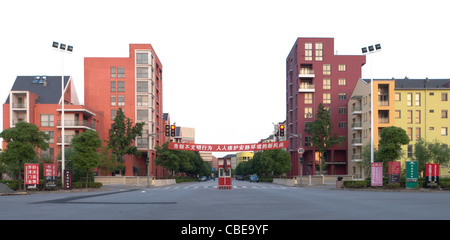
[[243, 157], [421, 108]]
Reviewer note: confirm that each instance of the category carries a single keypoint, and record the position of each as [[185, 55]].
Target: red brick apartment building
[[314, 74], [37, 100], [133, 83]]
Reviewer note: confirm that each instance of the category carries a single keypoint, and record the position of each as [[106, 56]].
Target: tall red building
[[133, 83], [314, 75]]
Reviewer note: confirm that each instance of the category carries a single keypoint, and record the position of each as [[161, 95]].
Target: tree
[[85, 148], [435, 152], [23, 140], [323, 137], [122, 135], [390, 144], [167, 158]]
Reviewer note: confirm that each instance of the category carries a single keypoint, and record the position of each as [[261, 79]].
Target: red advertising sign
[[393, 167], [228, 147], [50, 170], [377, 174], [31, 174], [431, 174]]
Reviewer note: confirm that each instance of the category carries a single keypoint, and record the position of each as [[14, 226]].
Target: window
[[142, 86], [51, 134], [398, 97], [342, 81], [113, 100], [409, 99], [326, 83], [120, 72], [113, 72], [410, 151], [342, 110], [308, 112], [142, 58], [444, 131], [417, 116], [113, 114], [409, 116], [308, 98], [418, 134], [409, 132], [417, 99], [444, 114], [142, 72], [121, 100], [342, 124], [342, 96], [308, 142], [308, 51], [327, 69], [142, 115], [113, 86], [444, 97], [327, 98], [47, 120], [342, 67], [142, 100], [319, 51], [120, 86], [398, 114], [49, 153]]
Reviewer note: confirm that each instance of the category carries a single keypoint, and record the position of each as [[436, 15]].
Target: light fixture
[[55, 44], [377, 46], [364, 50], [62, 46], [69, 48], [371, 48]]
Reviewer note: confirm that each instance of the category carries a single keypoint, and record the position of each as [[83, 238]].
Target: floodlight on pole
[[364, 51], [62, 47]]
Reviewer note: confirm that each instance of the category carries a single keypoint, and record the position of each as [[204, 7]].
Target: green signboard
[[411, 174]]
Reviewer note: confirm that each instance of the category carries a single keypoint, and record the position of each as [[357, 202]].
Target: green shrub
[[356, 184]]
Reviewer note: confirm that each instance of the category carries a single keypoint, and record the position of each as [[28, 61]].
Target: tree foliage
[[390, 145], [434, 152], [23, 142], [85, 155], [323, 137], [121, 136], [276, 161]]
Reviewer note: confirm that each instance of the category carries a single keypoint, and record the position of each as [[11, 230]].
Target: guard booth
[[224, 174]]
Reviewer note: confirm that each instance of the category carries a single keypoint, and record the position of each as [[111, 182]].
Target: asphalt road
[[246, 201]]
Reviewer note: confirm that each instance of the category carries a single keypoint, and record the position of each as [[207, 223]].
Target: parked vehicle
[[254, 178], [239, 177], [202, 179]]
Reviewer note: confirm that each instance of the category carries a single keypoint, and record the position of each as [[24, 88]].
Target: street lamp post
[[64, 49], [366, 51]]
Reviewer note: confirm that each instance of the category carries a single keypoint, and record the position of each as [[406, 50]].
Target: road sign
[[301, 150], [377, 174], [411, 174]]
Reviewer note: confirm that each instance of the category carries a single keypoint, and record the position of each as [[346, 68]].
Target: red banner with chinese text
[[31, 174], [228, 147]]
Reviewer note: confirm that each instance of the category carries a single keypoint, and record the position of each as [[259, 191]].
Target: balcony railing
[[19, 105], [306, 87], [76, 124]]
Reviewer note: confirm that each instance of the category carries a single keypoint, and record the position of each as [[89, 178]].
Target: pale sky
[[223, 61]]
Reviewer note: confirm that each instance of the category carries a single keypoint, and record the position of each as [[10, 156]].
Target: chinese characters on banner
[[377, 174], [394, 172], [67, 179], [50, 174], [31, 174], [228, 147], [432, 174]]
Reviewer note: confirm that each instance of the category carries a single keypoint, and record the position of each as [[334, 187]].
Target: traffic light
[[172, 130], [281, 129], [167, 132]]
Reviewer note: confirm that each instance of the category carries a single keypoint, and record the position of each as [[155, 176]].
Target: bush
[[356, 184]]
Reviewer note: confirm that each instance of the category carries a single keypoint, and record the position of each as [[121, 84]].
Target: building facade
[[314, 75], [359, 115], [135, 85], [37, 100]]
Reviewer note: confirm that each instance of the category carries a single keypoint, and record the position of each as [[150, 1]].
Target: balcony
[[67, 139], [306, 73], [306, 87], [356, 126], [356, 110], [357, 142], [356, 158], [77, 124]]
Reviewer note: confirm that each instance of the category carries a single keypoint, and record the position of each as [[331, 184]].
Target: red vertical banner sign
[[431, 174], [50, 173], [31, 174], [394, 171], [377, 174]]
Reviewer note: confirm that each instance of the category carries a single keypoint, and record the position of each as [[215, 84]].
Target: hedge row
[[443, 184], [14, 185]]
